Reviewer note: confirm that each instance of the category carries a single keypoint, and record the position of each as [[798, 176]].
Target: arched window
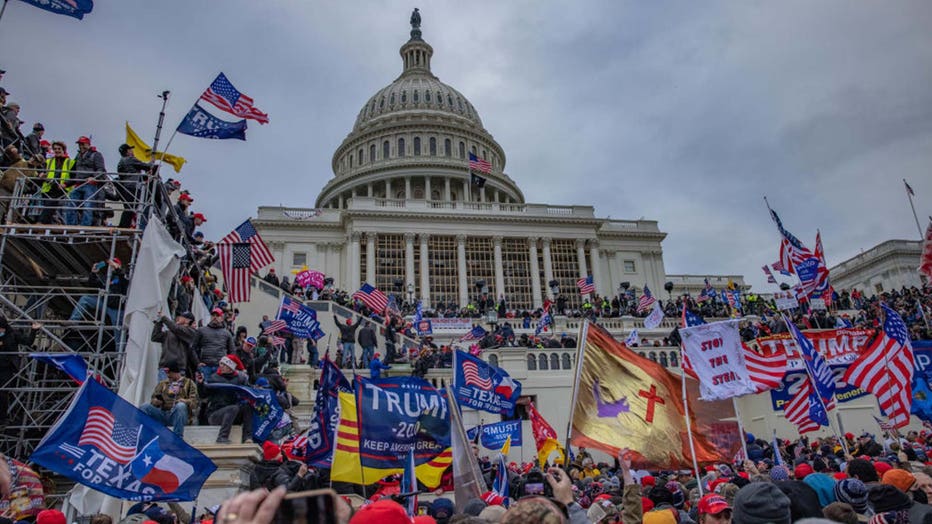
[[439, 99], [350, 160], [567, 364], [427, 96], [416, 98], [386, 148], [401, 147], [484, 156], [663, 358], [404, 97], [462, 150], [433, 146], [391, 100], [450, 101], [674, 359], [474, 150], [417, 146], [542, 362], [359, 157], [554, 361], [493, 359], [372, 153], [447, 147], [531, 362], [382, 103]]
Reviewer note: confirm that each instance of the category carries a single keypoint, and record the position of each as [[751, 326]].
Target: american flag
[[792, 251], [371, 297], [114, 440], [770, 277], [765, 367], [646, 301], [275, 326], [260, 256], [476, 376], [925, 262], [585, 285], [276, 341], [236, 264], [476, 333], [707, 292], [222, 94], [804, 409], [884, 425], [817, 369], [885, 369], [290, 305], [479, 164]]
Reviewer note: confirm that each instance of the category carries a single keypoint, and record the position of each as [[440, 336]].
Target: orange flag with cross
[[628, 401]]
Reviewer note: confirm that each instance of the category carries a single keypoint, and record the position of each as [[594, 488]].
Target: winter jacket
[[88, 165], [118, 284], [165, 401], [347, 331], [367, 336], [375, 368], [213, 342], [252, 362], [269, 474], [10, 360], [276, 382], [220, 398], [176, 343]]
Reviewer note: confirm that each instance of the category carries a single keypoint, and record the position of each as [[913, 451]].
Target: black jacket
[[176, 343], [213, 342], [347, 331], [367, 337], [220, 398], [118, 284]]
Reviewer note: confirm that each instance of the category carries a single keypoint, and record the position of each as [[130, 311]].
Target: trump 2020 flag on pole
[[202, 124], [107, 444], [320, 434], [479, 385], [266, 411], [73, 8], [300, 319]]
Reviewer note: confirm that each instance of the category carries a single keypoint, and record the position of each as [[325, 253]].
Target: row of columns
[[483, 195], [424, 238]]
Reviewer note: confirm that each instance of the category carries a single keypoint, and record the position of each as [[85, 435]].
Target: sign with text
[[716, 356], [493, 436], [838, 346]]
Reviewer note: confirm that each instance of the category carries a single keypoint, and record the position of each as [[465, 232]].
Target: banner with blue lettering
[[922, 380], [73, 8], [107, 444], [399, 413], [326, 414], [266, 411], [493, 436], [301, 319], [479, 385], [792, 380]]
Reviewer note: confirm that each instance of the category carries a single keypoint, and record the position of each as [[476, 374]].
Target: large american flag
[[476, 376], [885, 369], [707, 292], [236, 264], [222, 94], [817, 369], [371, 297], [646, 301], [114, 440], [765, 367], [246, 232], [479, 164], [585, 285], [792, 250], [804, 409]]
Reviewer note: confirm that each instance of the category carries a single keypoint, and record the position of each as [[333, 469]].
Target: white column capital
[[546, 241], [497, 241], [409, 237], [461, 239]]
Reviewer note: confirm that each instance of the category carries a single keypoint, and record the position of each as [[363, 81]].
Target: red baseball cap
[[712, 504], [381, 512], [199, 215], [186, 196], [216, 311], [83, 140]]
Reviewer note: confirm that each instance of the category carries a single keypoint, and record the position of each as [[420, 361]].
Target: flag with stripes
[[476, 333], [770, 278], [372, 298], [885, 369], [222, 94], [476, 376], [236, 264], [805, 410], [884, 425], [766, 366], [818, 370], [585, 285], [792, 250], [707, 293], [275, 326], [113, 439], [260, 256], [479, 164], [646, 301]]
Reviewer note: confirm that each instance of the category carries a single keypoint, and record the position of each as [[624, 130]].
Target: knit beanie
[[854, 492], [899, 478], [779, 473], [761, 503], [887, 498], [271, 451]]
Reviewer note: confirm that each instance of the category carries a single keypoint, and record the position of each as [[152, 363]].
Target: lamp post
[[411, 293]]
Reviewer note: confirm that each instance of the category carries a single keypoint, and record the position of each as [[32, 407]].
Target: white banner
[[451, 324], [785, 300], [817, 303], [632, 339], [656, 316], [715, 353]]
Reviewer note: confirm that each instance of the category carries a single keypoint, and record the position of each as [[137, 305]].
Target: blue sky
[[683, 112]]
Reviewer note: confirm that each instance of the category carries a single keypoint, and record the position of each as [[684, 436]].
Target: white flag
[[632, 339], [656, 316], [715, 354]]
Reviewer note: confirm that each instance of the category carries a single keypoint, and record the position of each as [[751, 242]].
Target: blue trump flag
[[493, 436], [301, 319], [71, 363], [107, 444], [202, 124], [266, 411], [73, 8], [479, 385], [326, 414], [818, 369]]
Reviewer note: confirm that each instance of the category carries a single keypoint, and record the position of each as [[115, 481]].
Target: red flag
[[925, 262]]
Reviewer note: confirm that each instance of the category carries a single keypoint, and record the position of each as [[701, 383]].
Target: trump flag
[[479, 385], [107, 444]]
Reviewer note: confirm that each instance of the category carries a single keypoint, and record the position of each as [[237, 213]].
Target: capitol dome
[[412, 140]]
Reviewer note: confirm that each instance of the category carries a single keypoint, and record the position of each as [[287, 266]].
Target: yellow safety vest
[[64, 174]]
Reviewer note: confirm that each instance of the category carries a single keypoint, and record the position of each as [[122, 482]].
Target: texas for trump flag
[[107, 444], [479, 385]]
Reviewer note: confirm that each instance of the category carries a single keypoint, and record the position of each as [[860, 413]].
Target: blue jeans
[[313, 357], [349, 352], [367, 354], [176, 418], [94, 302], [84, 198]]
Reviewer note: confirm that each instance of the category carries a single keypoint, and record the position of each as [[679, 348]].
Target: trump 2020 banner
[[326, 414], [107, 444], [479, 385], [493, 436], [397, 414], [301, 319]]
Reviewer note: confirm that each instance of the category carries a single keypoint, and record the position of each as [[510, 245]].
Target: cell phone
[[308, 507], [534, 488]]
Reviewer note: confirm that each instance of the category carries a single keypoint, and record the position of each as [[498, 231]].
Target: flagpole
[[3, 9], [744, 443], [689, 426], [909, 195], [158, 127], [580, 355]]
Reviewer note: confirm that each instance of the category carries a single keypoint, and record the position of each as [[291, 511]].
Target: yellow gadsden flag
[[628, 401], [143, 152]]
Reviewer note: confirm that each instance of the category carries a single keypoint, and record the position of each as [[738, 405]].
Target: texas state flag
[[507, 387], [152, 466]]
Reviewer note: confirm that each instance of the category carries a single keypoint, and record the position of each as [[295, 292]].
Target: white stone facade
[[887, 266]]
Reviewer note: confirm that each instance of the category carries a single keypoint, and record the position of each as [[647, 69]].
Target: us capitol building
[[402, 214]]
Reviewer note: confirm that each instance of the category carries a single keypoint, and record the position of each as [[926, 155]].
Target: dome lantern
[[416, 52]]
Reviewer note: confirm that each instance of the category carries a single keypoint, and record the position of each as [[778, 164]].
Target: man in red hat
[[212, 342], [107, 275], [182, 211], [87, 178], [714, 509]]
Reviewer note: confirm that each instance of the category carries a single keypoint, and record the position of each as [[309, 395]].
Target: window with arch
[[427, 96], [542, 362], [474, 151], [439, 99], [417, 146], [391, 101], [372, 109], [416, 98], [462, 150], [674, 359], [447, 147], [382, 103], [493, 359], [531, 362], [484, 155], [459, 103], [350, 160], [554, 361], [401, 147], [449, 100], [386, 149], [404, 97], [567, 363], [433, 146], [372, 153], [359, 157], [663, 358]]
